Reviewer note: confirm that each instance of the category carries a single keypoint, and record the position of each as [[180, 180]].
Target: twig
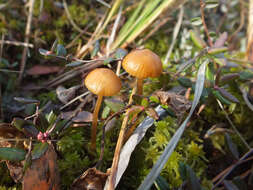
[[156, 28], [202, 6], [27, 34], [103, 133], [191, 61], [242, 22], [233, 126], [114, 29], [73, 100], [231, 168], [16, 43], [104, 3], [1, 48], [175, 33]]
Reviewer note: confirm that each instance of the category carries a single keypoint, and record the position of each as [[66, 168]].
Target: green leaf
[[108, 60], [161, 183], [210, 4], [197, 40], [217, 50], [218, 95], [45, 52], [26, 100], [74, 63], [162, 160], [246, 75], [61, 51], [114, 105], [232, 147], [39, 149], [120, 53], [227, 95], [210, 73], [196, 21], [185, 82], [12, 154], [106, 112], [95, 49], [182, 170], [229, 77], [194, 182], [27, 127]]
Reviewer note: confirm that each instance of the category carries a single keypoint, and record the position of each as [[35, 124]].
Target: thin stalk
[[112, 177], [233, 126], [139, 86], [95, 122]]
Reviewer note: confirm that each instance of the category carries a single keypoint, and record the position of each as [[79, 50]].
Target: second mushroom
[[102, 82]]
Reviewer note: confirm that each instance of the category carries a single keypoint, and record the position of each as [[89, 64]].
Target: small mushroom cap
[[103, 82], [142, 64]]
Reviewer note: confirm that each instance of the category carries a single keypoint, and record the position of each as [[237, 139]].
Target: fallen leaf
[[43, 173], [43, 70], [90, 179], [83, 116], [64, 95]]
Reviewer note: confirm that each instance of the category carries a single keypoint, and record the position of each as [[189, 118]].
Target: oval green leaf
[[12, 154]]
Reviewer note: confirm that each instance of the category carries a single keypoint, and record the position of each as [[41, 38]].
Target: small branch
[[231, 168], [16, 43], [202, 6], [175, 33], [233, 126], [27, 34]]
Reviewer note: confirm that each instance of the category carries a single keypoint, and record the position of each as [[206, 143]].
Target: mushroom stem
[[139, 86], [95, 122]]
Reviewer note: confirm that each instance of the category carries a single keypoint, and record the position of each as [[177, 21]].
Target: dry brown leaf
[[43, 173], [83, 116], [178, 103], [43, 70], [90, 179]]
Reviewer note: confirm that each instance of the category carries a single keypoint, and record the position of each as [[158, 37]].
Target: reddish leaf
[[227, 95], [83, 116], [90, 179], [221, 40], [43, 70], [43, 173]]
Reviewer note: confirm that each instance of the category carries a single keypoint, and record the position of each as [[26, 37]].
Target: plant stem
[[139, 86], [95, 122], [112, 177]]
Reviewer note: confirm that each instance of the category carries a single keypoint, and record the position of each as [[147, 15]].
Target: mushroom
[[142, 64], [102, 82]]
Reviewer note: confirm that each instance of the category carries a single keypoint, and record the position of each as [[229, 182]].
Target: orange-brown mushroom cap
[[103, 82], [142, 64]]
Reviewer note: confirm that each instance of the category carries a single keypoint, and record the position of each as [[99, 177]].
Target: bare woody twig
[[16, 43], [27, 34], [202, 6]]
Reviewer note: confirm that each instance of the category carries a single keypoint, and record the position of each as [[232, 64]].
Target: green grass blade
[[157, 168], [151, 5]]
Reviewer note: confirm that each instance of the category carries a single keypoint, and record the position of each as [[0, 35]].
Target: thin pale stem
[[95, 122], [112, 177], [139, 86]]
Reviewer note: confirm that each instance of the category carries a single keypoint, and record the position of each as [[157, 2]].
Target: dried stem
[[16, 43], [202, 6], [27, 34], [112, 177]]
